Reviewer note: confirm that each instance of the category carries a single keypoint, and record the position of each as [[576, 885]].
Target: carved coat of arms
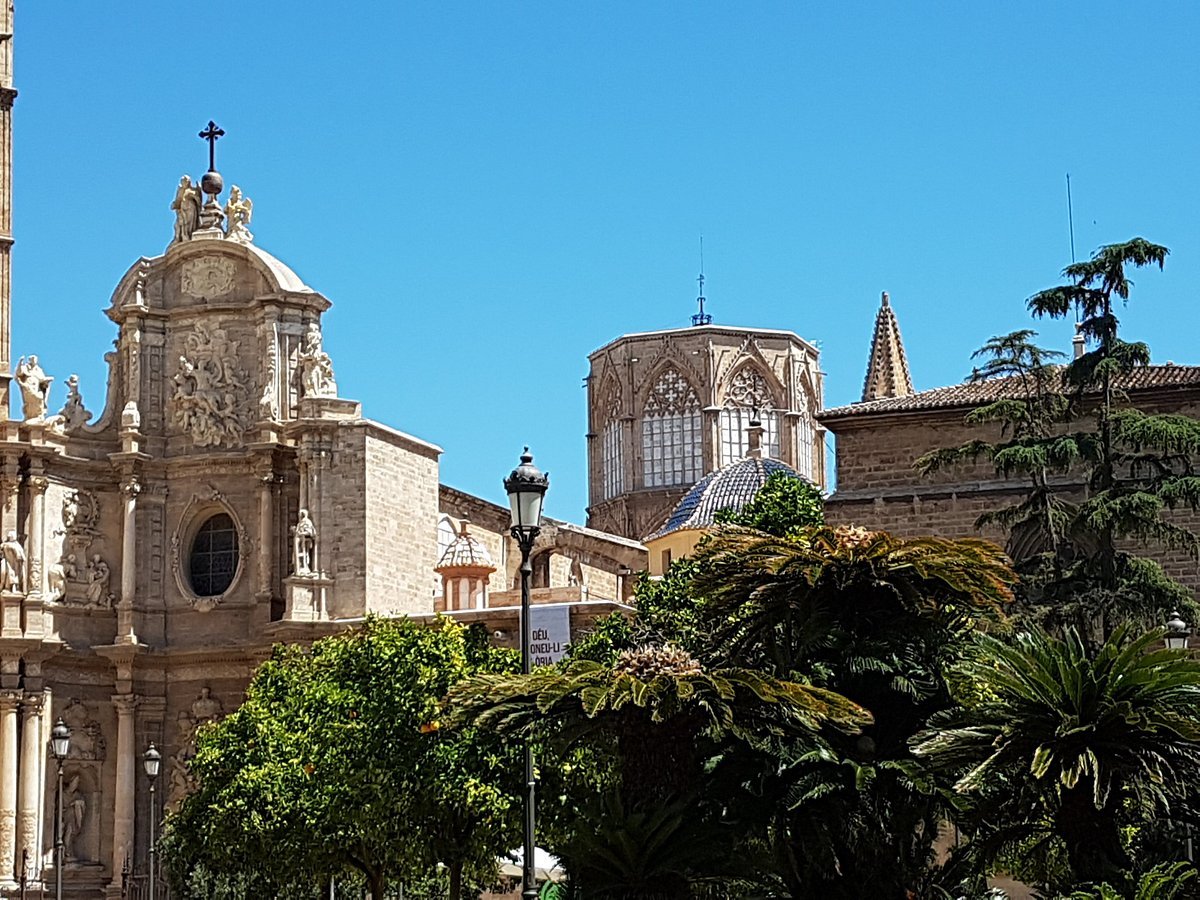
[[206, 277]]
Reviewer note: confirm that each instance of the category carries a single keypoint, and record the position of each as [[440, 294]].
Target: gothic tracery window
[[671, 448], [806, 436], [746, 396], [612, 447]]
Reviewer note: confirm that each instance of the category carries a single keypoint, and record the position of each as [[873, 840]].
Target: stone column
[[125, 632], [9, 701], [266, 533], [29, 791], [126, 784]]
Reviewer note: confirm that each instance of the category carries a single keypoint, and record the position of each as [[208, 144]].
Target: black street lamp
[[60, 746], [1177, 632], [526, 488], [152, 761]]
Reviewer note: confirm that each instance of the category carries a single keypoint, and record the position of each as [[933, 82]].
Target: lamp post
[[60, 746], [152, 761], [1177, 632], [526, 488]]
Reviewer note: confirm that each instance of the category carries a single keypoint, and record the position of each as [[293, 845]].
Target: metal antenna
[[701, 318]]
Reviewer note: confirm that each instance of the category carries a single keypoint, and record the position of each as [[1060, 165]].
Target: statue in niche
[[315, 366], [35, 388], [187, 209], [74, 414], [12, 565], [87, 740], [304, 542], [206, 707], [98, 575], [74, 814], [181, 782], [238, 210]]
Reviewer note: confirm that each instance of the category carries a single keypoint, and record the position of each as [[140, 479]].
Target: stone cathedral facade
[[223, 498]]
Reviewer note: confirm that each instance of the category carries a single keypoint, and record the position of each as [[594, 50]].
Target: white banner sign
[[551, 634]]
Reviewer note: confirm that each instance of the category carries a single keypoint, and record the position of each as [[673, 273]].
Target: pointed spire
[[887, 370]]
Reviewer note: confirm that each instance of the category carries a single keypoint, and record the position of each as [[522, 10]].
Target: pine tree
[[1060, 422]]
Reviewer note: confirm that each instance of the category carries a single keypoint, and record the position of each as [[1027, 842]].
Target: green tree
[[782, 505], [335, 763], [657, 712], [879, 620], [1061, 747], [1076, 554]]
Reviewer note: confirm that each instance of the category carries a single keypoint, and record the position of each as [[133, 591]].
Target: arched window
[[612, 447], [747, 395], [214, 556], [671, 448], [806, 436]]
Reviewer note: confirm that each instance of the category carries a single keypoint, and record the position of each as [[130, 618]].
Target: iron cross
[[211, 134]]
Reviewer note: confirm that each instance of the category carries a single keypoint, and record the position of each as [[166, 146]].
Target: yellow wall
[[670, 547]]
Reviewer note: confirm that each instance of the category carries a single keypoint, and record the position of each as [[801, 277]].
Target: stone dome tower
[[465, 568]]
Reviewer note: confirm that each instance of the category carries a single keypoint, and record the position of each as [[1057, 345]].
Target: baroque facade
[[226, 497], [666, 408]]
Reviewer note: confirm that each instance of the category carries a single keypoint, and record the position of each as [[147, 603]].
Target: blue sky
[[462, 178]]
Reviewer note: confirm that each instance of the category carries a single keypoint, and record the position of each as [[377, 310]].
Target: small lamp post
[[526, 488], [60, 746], [1177, 632], [152, 762]]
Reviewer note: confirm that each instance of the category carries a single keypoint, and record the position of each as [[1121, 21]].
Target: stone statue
[[74, 414], [56, 577], [35, 388], [98, 575], [12, 566], [187, 209], [74, 813], [305, 544], [206, 707], [238, 210], [131, 417], [315, 366]]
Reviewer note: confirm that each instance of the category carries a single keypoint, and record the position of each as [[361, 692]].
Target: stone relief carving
[[304, 545], [87, 738], [35, 388], [187, 209], [209, 389], [181, 781], [238, 210], [207, 277], [74, 414], [13, 568], [80, 577], [315, 367]]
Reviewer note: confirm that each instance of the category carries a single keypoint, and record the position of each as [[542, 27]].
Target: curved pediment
[[204, 273]]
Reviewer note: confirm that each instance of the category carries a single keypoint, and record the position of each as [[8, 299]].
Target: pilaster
[[29, 792], [9, 702], [130, 488], [123, 791]]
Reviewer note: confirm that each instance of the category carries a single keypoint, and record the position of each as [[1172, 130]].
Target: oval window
[[214, 557]]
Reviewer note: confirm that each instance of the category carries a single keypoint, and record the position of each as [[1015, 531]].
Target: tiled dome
[[731, 487], [465, 552]]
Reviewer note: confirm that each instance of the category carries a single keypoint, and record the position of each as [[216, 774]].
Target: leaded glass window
[[214, 557], [612, 447], [747, 395], [671, 442]]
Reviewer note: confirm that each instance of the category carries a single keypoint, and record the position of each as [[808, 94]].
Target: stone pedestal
[[10, 614], [329, 408], [307, 598]]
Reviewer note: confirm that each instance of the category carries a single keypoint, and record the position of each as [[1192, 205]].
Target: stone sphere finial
[[212, 183]]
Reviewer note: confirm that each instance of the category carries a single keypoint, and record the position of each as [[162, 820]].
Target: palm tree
[[659, 707], [876, 618], [782, 602], [1054, 742]]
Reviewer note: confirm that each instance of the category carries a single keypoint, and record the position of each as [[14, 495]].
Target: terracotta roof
[[969, 394]]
